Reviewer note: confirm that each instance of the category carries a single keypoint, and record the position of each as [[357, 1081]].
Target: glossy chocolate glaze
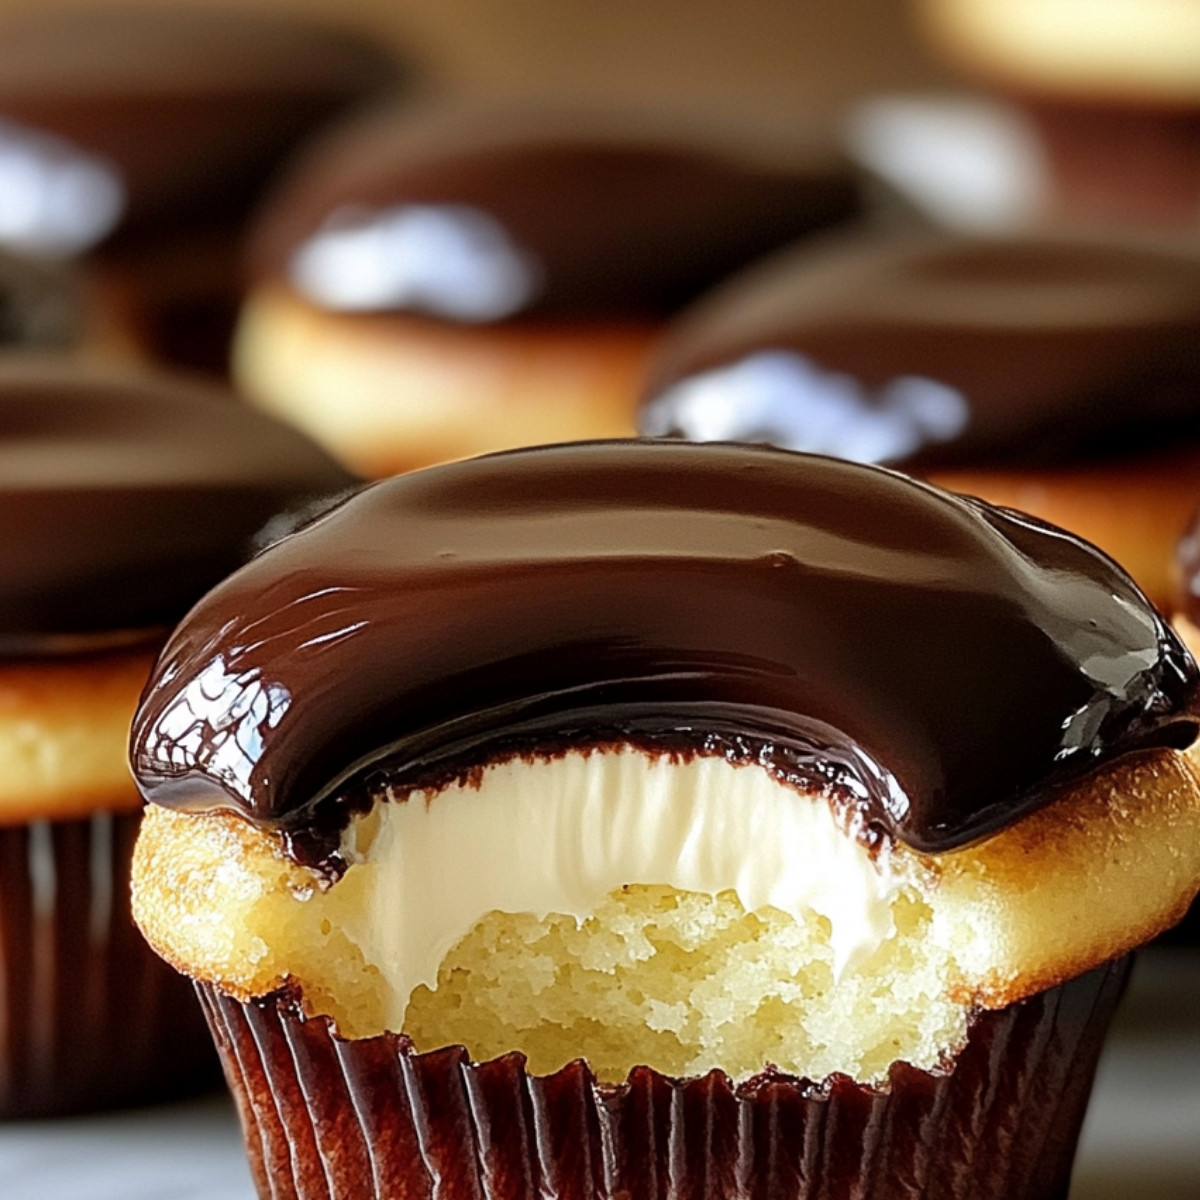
[[123, 496], [1120, 164], [943, 351], [938, 664], [610, 215], [193, 107]]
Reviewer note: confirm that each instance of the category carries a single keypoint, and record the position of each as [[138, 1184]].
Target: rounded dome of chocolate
[[191, 108], [124, 496]]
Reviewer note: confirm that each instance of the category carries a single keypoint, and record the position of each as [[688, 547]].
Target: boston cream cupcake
[[654, 819], [153, 129], [122, 498], [1058, 375], [438, 283], [191, 107]]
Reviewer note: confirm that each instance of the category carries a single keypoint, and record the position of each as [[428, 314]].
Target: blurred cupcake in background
[[1055, 374], [432, 284], [1112, 88], [151, 131], [44, 307], [122, 498]]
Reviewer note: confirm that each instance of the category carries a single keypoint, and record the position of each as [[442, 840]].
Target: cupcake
[[436, 283], [1051, 373], [642, 819], [123, 498], [156, 128], [1113, 89], [43, 308]]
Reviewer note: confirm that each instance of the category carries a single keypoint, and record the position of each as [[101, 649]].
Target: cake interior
[[681, 912]]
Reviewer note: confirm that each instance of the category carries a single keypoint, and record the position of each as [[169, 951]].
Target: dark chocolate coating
[[1034, 349], [195, 107], [123, 496], [622, 218], [938, 663]]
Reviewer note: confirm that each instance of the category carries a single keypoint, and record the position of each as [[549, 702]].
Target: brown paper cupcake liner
[[329, 1119], [89, 1017]]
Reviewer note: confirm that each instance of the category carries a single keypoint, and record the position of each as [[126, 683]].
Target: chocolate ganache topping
[[941, 663], [123, 497], [187, 109], [942, 351], [477, 215], [41, 305]]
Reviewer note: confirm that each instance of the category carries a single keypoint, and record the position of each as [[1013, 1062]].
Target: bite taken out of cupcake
[[645, 818], [123, 497], [1052, 373], [436, 282]]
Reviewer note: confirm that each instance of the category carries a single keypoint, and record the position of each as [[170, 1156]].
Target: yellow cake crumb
[[690, 982]]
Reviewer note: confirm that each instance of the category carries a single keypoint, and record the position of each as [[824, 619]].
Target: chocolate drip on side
[[950, 661], [943, 351], [124, 497]]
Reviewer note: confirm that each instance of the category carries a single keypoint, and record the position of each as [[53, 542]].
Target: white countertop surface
[[1142, 1140]]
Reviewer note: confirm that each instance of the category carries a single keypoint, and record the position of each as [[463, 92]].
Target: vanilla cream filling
[[558, 835]]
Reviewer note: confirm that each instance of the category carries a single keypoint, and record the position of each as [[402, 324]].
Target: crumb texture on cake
[[751, 928]]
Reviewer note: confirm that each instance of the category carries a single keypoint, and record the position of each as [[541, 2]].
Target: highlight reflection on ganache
[[940, 664]]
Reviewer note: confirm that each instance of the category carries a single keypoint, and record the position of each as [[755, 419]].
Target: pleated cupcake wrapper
[[329, 1119], [89, 1017]]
